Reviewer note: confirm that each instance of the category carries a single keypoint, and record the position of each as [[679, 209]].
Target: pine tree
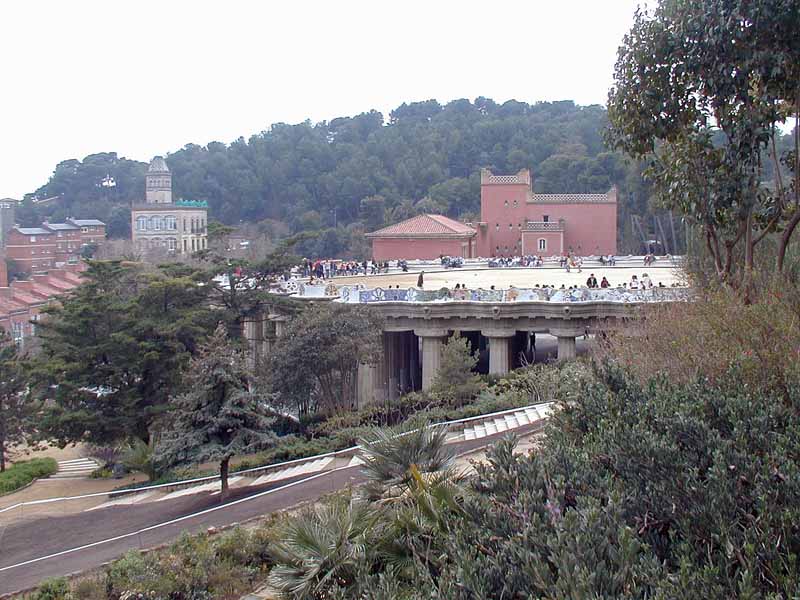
[[455, 381], [15, 407], [217, 417]]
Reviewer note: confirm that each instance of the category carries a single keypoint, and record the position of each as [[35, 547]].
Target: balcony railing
[[544, 225]]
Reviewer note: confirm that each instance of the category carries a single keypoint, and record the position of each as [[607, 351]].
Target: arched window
[[172, 243], [170, 222], [542, 244], [141, 223]]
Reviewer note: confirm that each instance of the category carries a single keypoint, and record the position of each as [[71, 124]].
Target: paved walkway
[[521, 278], [47, 537]]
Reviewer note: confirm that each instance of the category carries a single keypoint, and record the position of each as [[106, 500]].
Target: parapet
[[523, 177]]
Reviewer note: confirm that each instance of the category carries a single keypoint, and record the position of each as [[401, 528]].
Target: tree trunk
[[223, 478], [748, 259]]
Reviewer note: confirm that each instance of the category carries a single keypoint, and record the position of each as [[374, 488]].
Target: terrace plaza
[[498, 310]]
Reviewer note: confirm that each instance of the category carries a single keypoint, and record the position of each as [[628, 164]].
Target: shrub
[[53, 589], [193, 567], [660, 490], [22, 473], [705, 337]]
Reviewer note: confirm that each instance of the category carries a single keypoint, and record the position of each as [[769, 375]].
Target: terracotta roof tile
[[425, 226]]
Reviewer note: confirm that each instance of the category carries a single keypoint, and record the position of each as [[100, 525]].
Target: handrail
[[276, 466]]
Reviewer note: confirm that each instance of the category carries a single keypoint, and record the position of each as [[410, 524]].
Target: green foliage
[[16, 405], [217, 417], [112, 351], [700, 88], [315, 176], [139, 456], [322, 548], [22, 473], [194, 567], [313, 366], [395, 463], [53, 589], [455, 382]]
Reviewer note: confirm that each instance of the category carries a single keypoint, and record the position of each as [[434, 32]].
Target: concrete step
[[522, 417], [214, 486], [491, 428], [511, 421], [501, 424], [127, 500], [480, 431], [469, 433]]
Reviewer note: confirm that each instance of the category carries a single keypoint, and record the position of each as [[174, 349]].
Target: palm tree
[[397, 464], [325, 548], [395, 528]]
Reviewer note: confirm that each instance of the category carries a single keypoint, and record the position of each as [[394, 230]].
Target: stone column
[[390, 350], [499, 349], [566, 342], [432, 341], [366, 384]]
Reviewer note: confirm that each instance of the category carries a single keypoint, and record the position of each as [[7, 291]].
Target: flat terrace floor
[[504, 278]]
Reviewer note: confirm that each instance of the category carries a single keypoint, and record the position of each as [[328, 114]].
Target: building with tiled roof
[[22, 301], [37, 249], [423, 237], [514, 222]]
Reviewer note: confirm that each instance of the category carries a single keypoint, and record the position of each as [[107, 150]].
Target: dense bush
[[22, 473], [704, 338], [193, 567], [639, 491]]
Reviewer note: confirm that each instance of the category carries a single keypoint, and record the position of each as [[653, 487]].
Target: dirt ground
[[521, 278]]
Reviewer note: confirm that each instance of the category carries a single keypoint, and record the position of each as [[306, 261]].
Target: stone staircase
[[77, 467], [464, 429], [506, 422]]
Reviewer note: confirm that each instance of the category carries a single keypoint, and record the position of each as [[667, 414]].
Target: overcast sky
[[141, 77]]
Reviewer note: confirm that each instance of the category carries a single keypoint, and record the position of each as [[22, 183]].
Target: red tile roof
[[425, 226]]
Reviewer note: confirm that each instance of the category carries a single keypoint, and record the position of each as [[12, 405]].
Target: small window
[[546, 218], [516, 203], [497, 226], [505, 203], [542, 244], [59, 234], [33, 238], [511, 226]]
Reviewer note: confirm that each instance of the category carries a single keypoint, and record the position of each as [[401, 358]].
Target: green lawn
[[22, 473]]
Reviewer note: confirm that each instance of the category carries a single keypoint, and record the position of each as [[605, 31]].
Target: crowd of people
[[326, 269]]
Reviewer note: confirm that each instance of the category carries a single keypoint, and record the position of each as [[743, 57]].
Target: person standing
[[420, 279]]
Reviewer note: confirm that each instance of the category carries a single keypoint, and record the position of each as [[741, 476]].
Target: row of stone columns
[[411, 359]]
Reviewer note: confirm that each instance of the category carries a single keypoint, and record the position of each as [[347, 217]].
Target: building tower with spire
[[161, 226]]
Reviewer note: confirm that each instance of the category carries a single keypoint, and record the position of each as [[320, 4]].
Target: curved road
[[50, 535]]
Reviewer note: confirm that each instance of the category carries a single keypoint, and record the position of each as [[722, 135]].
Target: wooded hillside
[[358, 173]]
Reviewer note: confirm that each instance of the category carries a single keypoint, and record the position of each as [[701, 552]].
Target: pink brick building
[[423, 236], [515, 221]]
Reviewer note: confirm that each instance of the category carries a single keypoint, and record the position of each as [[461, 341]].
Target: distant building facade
[[161, 224], [515, 221], [53, 245], [423, 237]]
